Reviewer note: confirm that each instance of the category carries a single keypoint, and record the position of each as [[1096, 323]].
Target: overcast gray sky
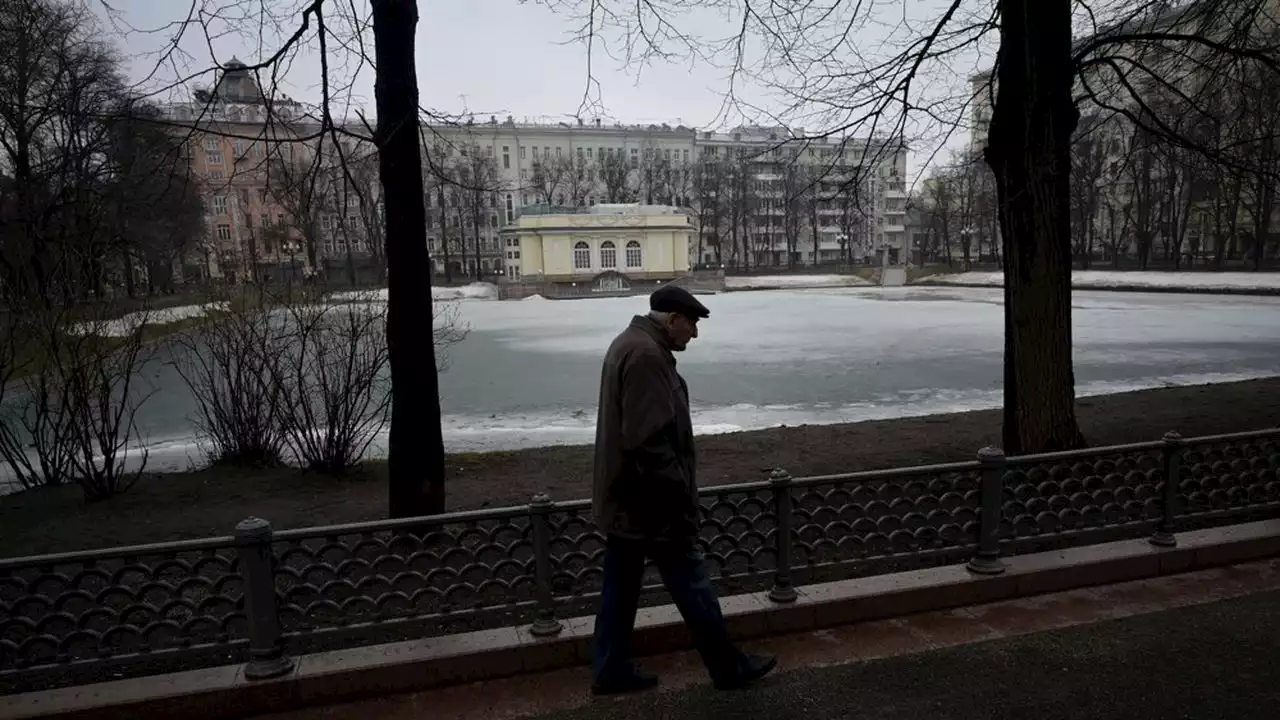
[[502, 57]]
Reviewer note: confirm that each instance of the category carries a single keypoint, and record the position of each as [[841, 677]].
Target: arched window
[[634, 259], [608, 255], [581, 256]]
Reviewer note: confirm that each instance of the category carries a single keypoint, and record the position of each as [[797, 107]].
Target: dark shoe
[[637, 681], [752, 669]]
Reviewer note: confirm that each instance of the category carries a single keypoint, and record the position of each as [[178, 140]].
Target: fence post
[[257, 569], [782, 591], [544, 621], [987, 560], [1163, 536]]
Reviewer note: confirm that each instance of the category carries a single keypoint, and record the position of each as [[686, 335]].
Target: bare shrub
[[11, 368], [334, 382], [447, 330], [334, 377], [101, 378], [230, 364], [72, 417], [35, 415]]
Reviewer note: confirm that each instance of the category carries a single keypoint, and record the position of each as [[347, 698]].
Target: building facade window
[[634, 257], [213, 158], [582, 256], [506, 157], [224, 232], [608, 255], [220, 204]]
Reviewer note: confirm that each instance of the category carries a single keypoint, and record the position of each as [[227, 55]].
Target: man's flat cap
[[675, 299]]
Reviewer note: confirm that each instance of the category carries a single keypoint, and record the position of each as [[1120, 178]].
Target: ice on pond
[[527, 374]]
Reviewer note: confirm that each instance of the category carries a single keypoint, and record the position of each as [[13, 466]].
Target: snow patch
[[773, 282], [1116, 278], [474, 291], [128, 324], [534, 296]]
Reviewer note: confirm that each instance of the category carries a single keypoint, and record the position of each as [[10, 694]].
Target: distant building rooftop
[[602, 209]]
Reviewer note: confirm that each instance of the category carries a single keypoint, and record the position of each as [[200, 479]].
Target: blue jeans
[[685, 577]]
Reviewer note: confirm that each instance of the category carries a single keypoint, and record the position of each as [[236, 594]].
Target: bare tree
[[615, 176], [552, 178], [478, 174], [940, 199], [300, 182], [418, 477], [157, 209], [1260, 115], [1088, 160], [58, 78], [794, 187], [438, 216], [710, 189], [579, 181], [743, 203]]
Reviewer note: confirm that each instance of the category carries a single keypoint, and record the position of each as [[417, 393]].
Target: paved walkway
[[1199, 663], [1198, 646]]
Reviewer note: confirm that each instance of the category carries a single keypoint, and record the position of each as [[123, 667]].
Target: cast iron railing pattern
[[262, 595], [154, 600]]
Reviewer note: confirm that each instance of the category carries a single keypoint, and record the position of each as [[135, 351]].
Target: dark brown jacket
[[645, 469]]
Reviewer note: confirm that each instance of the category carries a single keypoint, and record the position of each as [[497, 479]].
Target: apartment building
[[808, 200], [281, 201], [493, 169]]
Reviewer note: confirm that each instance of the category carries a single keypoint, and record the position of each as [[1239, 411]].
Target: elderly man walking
[[645, 499]]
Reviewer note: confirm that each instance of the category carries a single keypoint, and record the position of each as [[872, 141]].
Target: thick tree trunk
[[416, 447], [1029, 151]]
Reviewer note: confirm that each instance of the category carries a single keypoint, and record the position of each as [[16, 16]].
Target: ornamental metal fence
[[262, 596]]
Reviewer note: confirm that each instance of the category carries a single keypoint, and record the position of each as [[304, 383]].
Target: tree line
[[95, 195], [1138, 199]]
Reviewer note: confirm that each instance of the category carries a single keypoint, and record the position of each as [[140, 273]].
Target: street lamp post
[[290, 246]]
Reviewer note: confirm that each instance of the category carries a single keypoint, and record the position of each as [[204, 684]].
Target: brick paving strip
[[684, 691]]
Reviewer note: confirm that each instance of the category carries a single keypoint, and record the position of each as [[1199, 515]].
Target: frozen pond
[[527, 374]]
